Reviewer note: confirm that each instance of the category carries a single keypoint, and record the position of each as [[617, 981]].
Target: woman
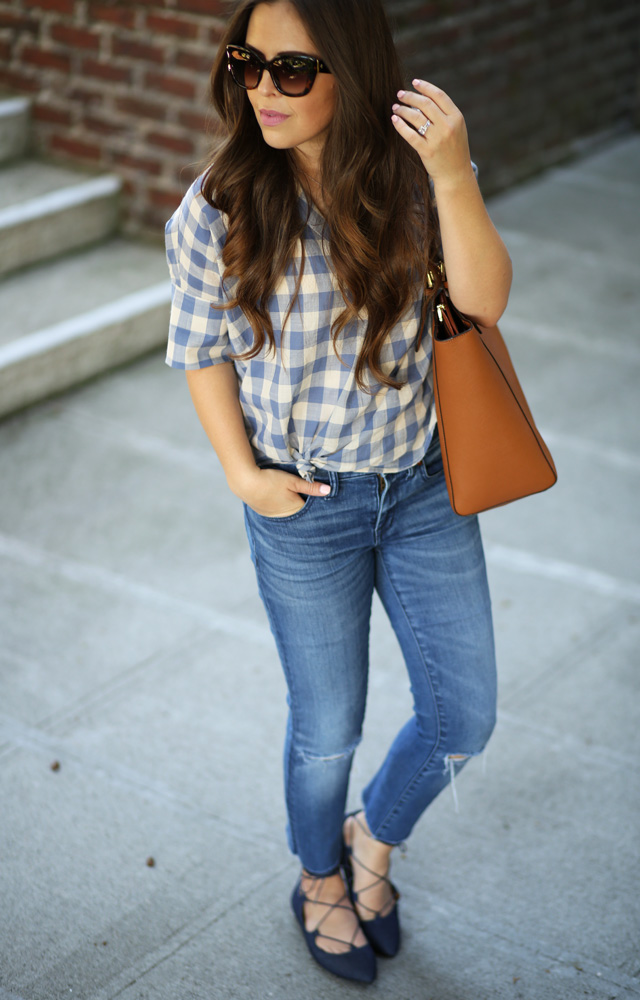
[[300, 265]]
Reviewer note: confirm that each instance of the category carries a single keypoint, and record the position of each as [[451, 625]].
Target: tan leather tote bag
[[492, 450]]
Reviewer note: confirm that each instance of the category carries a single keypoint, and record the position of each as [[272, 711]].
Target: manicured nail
[[394, 118], [396, 107], [401, 93], [325, 488], [417, 83]]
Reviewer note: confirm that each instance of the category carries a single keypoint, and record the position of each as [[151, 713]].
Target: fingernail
[[396, 107], [401, 93], [417, 83], [325, 488]]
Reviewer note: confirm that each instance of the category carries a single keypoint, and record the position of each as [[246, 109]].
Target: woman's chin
[[274, 140]]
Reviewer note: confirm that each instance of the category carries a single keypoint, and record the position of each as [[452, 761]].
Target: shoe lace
[[378, 879], [343, 903]]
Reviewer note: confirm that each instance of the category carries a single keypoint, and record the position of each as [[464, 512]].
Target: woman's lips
[[272, 117]]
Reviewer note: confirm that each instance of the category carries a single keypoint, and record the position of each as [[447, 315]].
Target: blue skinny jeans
[[316, 570]]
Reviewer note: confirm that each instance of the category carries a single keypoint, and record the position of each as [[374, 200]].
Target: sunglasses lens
[[294, 75], [245, 69]]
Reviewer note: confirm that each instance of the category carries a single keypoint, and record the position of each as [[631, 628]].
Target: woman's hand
[[274, 493], [270, 492], [443, 147]]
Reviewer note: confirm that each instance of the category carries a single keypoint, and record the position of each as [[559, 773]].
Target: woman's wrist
[[454, 183], [243, 481]]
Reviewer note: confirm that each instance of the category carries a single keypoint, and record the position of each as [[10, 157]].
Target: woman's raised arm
[[477, 263]]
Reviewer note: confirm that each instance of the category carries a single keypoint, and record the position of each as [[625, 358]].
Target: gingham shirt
[[301, 404]]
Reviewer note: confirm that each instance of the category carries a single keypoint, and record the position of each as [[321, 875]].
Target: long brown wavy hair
[[382, 228]]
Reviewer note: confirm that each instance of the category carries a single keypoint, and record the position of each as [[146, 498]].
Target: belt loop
[[334, 480]]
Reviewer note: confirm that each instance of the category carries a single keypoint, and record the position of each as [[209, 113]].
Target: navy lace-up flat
[[382, 933], [358, 964]]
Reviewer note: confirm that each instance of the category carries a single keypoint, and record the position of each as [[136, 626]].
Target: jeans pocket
[[286, 517]]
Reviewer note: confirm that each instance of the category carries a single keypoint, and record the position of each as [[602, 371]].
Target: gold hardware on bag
[[431, 280], [440, 309]]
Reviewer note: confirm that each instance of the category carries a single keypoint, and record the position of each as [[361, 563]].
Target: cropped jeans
[[317, 570]]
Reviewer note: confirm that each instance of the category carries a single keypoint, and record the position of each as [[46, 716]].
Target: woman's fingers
[[412, 116], [428, 97], [426, 106], [299, 485], [276, 493], [408, 132]]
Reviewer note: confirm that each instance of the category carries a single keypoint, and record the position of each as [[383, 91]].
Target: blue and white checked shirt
[[301, 404]]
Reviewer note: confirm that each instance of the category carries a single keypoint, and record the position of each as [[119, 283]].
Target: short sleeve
[[194, 237]]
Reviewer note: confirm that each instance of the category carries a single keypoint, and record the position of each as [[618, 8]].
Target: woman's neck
[[311, 179]]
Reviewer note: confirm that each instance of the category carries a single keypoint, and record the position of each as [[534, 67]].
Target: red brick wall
[[118, 86], [534, 78], [123, 86]]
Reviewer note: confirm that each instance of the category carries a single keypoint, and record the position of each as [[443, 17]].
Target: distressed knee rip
[[450, 762], [310, 756]]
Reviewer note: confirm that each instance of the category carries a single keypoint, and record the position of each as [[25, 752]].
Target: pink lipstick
[[272, 117]]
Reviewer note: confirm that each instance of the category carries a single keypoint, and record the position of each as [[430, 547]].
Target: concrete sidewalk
[[136, 655]]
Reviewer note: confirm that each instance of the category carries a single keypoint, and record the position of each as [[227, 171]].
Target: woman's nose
[[266, 86]]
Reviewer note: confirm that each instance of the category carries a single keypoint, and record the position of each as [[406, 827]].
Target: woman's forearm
[[477, 263], [214, 392], [270, 492]]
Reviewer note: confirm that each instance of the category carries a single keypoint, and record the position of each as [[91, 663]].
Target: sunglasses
[[292, 75]]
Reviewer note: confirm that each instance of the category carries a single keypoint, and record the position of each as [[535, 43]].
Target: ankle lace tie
[[343, 903], [378, 878]]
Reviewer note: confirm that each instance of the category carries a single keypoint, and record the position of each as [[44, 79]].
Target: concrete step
[[66, 321], [15, 115], [47, 210]]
